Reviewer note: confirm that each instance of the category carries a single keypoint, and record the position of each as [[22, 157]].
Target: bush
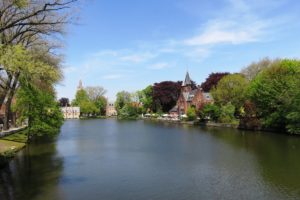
[[191, 114], [227, 114], [129, 111], [249, 118], [210, 112]]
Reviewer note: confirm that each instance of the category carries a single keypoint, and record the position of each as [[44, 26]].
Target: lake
[[142, 160]]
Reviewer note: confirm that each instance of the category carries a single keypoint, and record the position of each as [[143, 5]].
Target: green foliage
[[40, 108], [18, 137], [231, 89], [276, 93], [91, 101], [146, 97], [128, 111], [123, 98], [80, 97], [211, 112], [191, 114], [21, 3], [35, 66], [88, 108], [227, 114], [100, 104]]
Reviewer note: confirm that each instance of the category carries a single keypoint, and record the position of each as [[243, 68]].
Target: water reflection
[[277, 155], [110, 159], [34, 171]]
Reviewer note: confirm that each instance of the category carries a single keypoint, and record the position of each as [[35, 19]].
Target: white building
[[71, 112], [110, 110]]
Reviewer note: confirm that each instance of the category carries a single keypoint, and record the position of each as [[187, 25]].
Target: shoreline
[[11, 142], [219, 125]]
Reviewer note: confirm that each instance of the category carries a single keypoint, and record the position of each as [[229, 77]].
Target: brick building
[[190, 98]]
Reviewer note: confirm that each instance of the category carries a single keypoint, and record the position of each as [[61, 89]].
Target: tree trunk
[[8, 100], [7, 112]]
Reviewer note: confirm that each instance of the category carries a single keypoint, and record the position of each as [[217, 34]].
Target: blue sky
[[129, 44]]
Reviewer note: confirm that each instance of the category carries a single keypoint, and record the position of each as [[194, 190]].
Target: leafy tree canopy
[[251, 71], [231, 89], [123, 98], [146, 97], [166, 94], [276, 93], [64, 102], [212, 80]]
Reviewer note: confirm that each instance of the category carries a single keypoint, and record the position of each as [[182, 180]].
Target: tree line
[[91, 100], [263, 95]]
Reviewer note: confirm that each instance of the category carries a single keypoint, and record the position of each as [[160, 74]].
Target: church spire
[[187, 80], [80, 86]]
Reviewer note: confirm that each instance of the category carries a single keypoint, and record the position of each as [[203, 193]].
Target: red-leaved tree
[[212, 80], [165, 95]]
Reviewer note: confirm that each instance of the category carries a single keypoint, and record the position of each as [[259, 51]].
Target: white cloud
[[137, 58], [198, 54], [159, 66], [112, 76], [240, 22], [221, 32]]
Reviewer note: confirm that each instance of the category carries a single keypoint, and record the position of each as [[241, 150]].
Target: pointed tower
[[187, 84], [80, 86]]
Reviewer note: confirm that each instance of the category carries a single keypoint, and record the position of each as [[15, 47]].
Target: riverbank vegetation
[[30, 34], [91, 101], [128, 105], [264, 96]]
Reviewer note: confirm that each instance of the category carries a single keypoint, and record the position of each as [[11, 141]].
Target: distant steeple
[[80, 86], [187, 80]]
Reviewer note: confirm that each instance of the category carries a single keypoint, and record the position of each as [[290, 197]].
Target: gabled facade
[[190, 98]]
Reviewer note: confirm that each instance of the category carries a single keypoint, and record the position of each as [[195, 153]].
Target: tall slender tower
[[187, 84], [80, 86]]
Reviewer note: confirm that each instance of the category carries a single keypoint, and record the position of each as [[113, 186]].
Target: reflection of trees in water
[[277, 155], [34, 169]]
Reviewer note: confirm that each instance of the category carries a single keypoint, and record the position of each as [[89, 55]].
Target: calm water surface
[[128, 160]]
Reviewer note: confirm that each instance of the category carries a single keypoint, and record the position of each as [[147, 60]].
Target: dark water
[[109, 159]]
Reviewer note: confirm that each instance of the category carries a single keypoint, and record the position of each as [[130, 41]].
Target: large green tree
[[35, 66], [123, 98], [146, 98], [276, 93], [33, 25], [87, 107], [41, 110], [231, 89]]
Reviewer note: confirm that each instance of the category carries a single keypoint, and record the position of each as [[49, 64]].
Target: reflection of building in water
[[110, 110], [71, 112]]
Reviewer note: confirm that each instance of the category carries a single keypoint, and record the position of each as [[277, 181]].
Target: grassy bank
[[10, 145]]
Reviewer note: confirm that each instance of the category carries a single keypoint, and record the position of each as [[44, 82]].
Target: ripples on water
[[110, 159]]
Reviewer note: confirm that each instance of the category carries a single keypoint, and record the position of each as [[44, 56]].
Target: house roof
[[174, 109]]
